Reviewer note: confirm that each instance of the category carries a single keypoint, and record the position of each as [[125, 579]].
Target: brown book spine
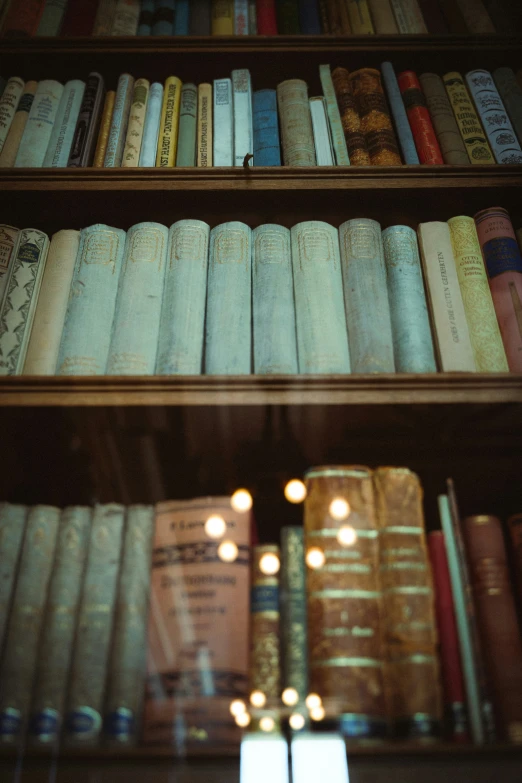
[[448, 135], [515, 532], [323, 12], [346, 27], [376, 123], [497, 620], [351, 121], [334, 17], [105, 126]]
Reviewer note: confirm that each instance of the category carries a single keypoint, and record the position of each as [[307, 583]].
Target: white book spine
[[126, 17], [62, 135], [322, 141], [12, 527], [39, 126], [223, 123], [337, 133], [8, 238], [243, 121], [241, 26], [8, 104], [149, 143]]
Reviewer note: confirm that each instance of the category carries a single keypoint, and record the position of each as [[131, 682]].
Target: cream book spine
[[8, 105], [204, 129], [188, 122], [16, 131], [62, 135], [126, 17], [39, 126], [149, 142], [382, 17], [12, 528], [169, 123], [360, 19], [104, 17], [450, 328], [243, 118], [138, 111], [297, 136], [324, 154], [8, 238], [337, 133], [408, 17], [119, 122], [223, 136]]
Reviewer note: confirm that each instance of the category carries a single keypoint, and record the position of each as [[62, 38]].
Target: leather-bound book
[[426, 142], [297, 139], [376, 124], [515, 532], [449, 137], [266, 17], [294, 653], [350, 118], [23, 18], [79, 18], [497, 620], [433, 17]]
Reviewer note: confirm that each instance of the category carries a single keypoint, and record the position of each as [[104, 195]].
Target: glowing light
[[295, 491], [339, 509], [243, 719], [269, 564], [257, 699], [296, 721], [290, 697], [313, 700], [317, 713], [347, 535], [267, 723], [315, 557], [215, 526], [241, 500], [237, 707], [228, 551]]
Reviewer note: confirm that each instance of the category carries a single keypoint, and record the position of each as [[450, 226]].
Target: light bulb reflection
[[243, 719], [237, 707], [313, 700], [215, 526], [267, 723], [269, 564], [228, 551], [347, 535], [296, 721], [241, 500], [295, 491], [290, 697], [257, 699], [339, 509], [317, 713], [315, 557]]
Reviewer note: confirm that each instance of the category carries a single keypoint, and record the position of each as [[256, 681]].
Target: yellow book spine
[[105, 126], [222, 17], [468, 121], [169, 123], [360, 19], [204, 137]]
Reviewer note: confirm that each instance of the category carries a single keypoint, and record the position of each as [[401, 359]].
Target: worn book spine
[[188, 113], [181, 19], [504, 267], [88, 124], [350, 119], [90, 661], [511, 94], [265, 655], [86, 336], [25, 622], [449, 137], [51, 20], [366, 297], [56, 642], [267, 146], [360, 19], [44, 343], [494, 116], [126, 17], [243, 120], [274, 337], [297, 136], [266, 17], [169, 123], [35, 140], [324, 153], [149, 142], [12, 528], [204, 134], [23, 18], [222, 17], [334, 117], [17, 128], [469, 124], [163, 19], [181, 335], [62, 135], [223, 136], [514, 525], [376, 124], [294, 633], [411, 331], [419, 118], [309, 17], [105, 127], [127, 667], [135, 328], [104, 17], [400, 118], [383, 18], [229, 301], [200, 17], [408, 17], [145, 20], [450, 328], [9, 101], [138, 111], [476, 17], [8, 237], [240, 17], [288, 17], [79, 18], [119, 122], [322, 339], [484, 331]]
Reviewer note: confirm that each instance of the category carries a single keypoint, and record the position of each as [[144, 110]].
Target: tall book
[[288, 17], [223, 136], [146, 17], [266, 17], [8, 238], [88, 124], [138, 111], [511, 94], [350, 119], [445, 125], [324, 154], [39, 125], [376, 124], [126, 17], [240, 17], [200, 17], [294, 633], [408, 17], [62, 134], [119, 122], [309, 17], [419, 118], [23, 18], [476, 17], [400, 118], [501, 135], [104, 17], [297, 137], [243, 121], [267, 146], [222, 17], [334, 117], [169, 123], [265, 655], [105, 127], [51, 20], [151, 127], [163, 19], [188, 114], [17, 128], [360, 19], [182, 18], [472, 132], [12, 527], [382, 17], [204, 131], [8, 105]]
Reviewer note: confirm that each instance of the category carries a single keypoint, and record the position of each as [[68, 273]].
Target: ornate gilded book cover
[[376, 124], [350, 119]]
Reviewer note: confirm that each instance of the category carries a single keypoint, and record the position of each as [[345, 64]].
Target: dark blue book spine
[[182, 18], [309, 17], [267, 149]]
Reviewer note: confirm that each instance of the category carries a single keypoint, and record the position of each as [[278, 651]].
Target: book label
[[120, 725], [45, 725], [83, 723], [10, 724], [502, 255]]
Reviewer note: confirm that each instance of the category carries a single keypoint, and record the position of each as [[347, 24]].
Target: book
[[240, 17], [223, 135], [470, 128], [252, 17], [400, 118], [412, 341], [135, 327], [325, 21], [188, 112], [334, 117], [105, 127], [90, 660], [51, 20], [127, 665], [500, 132], [360, 19], [163, 19], [504, 267], [408, 17], [294, 632], [345, 28], [151, 126], [182, 18], [433, 16], [79, 18], [44, 342], [243, 121], [297, 137], [419, 118], [9, 101], [476, 17], [13, 517], [309, 17], [511, 94], [274, 336], [366, 297], [22, 18], [350, 119], [287, 12], [514, 525], [322, 340], [229, 301], [138, 111], [86, 335], [267, 146], [181, 334], [169, 123], [58, 628], [126, 17], [222, 17], [39, 124], [146, 17], [266, 17], [200, 17], [88, 124], [119, 122], [382, 17], [324, 154], [376, 124], [18, 124], [204, 133], [61, 139], [484, 331], [450, 140], [8, 237], [104, 17], [25, 622]]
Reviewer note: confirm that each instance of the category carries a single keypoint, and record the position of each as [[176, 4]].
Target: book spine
[[504, 267], [56, 642], [61, 139], [25, 622], [204, 133], [294, 631], [88, 124], [433, 17], [135, 327], [9, 101], [376, 124], [514, 525], [360, 19], [449, 137], [223, 136], [243, 121], [322, 340], [126, 17], [35, 140], [288, 17], [86, 335], [20, 298], [468, 122], [511, 94], [484, 331], [408, 17], [266, 17], [8, 237], [229, 301], [105, 128], [265, 658], [494, 116], [366, 297], [400, 118], [412, 340], [181, 335], [267, 146], [169, 123], [138, 111], [12, 527], [333, 9], [346, 27], [296, 123], [476, 17], [23, 18], [119, 122], [309, 17], [104, 17], [52, 18], [324, 154], [200, 17], [350, 119], [16, 131], [424, 136], [149, 143], [146, 18], [450, 328], [275, 347], [188, 114], [383, 18], [252, 17], [79, 18], [128, 655], [44, 343], [334, 117], [83, 720], [181, 19], [163, 20], [222, 17]]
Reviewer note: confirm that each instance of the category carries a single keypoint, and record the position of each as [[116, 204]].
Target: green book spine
[[293, 613]]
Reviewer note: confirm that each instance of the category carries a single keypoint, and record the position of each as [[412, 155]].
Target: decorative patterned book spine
[[350, 119], [470, 128], [149, 142], [8, 237], [449, 137], [61, 139], [383, 18], [146, 17], [169, 123], [410, 633], [12, 527], [252, 17], [266, 17], [412, 340], [514, 524], [511, 94], [376, 124], [243, 120], [128, 655], [334, 117], [324, 153], [275, 347], [484, 331], [136, 323], [105, 127], [450, 328], [504, 267], [25, 622], [222, 17], [126, 17], [288, 17], [267, 147], [346, 652], [494, 116], [138, 111], [229, 301], [476, 17], [119, 122], [16, 131], [294, 641], [360, 19], [79, 18], [163, 19], [419, 118], [223, 137], [240, 17], [104, 17], [35, 140], [87, 330], [182, 18], [408, 17], [88, 125], [9, 101], [23, 18], [322, 340], [204, 133], [56, 642], [309, 17], [398, 110], [44, 343], [200, 17], [296, 124], [52, 18], [188, 114], [181, 335], [20, 298]]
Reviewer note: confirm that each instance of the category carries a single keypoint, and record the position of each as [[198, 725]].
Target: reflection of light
[[243, 719], [215, 526], [269, 564], [347, 535], [317, 713], [228, 551], [315, 557], [296, 721], [267, 723], [241, 500], [257, 699], [290, 697], [339, 508], [313, 700], [295, 491], [237, 707]]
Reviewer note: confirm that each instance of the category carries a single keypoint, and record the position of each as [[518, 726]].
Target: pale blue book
[[322, 340], [400, 118], [228, 336], [366, 296], [149, 142], [163, 20], [119, 122], [62, 135], [86, 337], [146, 17], [412, 341], [182, 17], [52, 18], [39, 126], [275, 341], [135, 328]]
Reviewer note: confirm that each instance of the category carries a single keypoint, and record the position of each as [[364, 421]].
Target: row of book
[[272, 301]]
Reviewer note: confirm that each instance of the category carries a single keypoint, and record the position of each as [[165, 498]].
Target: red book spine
[[515, 530], [419, 118], [266, 17], [79, 18], [23, 17]]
